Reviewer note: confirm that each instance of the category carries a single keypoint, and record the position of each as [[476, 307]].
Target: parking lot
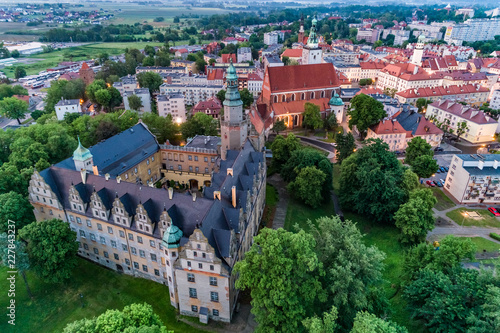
[[443, 161]]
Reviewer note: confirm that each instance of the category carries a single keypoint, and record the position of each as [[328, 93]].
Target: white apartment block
[[271, 38], [172, 104], [128, 83], [67, 106], [473, 30], [192, 93], [244, 54], [143, 94], [481, 127], [495, 100], [255, 84], [474, 179]]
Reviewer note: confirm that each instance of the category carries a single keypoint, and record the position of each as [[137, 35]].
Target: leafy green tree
[[13, 108], [366, 322], [15, 207], [307, 186], [322, 325], [102, 58], [221, 95], [135, 102], [7, 90], [364, 112], [283, 148], [345, 146], [424, 166], [461, 129], [331, 122], [15, 54], [409, 182], [73, 89], [150, 80], [422, 103], [200, 65], [94, 87], [246, 97], [370, 182], [103, 97], [415, 217], [19, 72], [199, 124], [312, 116], [13, 179], [353, 271], [52, 249], [21, 262], [295, 286], [490, 319], [365, 82], [162, 127], [106, 129], [279, 126], [417, 147], [149, 50]]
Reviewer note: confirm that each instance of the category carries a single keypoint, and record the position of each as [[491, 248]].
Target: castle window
[[213, 281], [139, 239], [133, 250], [190, 277], [200, 266], [142, 254], [113, 244], [283, 98], [131, 237], [214, 296], [195, 253], [71, 218], [116, 256], [106, 254], [153, 257], [82, 234], [215, 313], [102, 240], [192, 293], [122, 234], [110, 230], [136, 265], [99, 226], [303, 97], [92, 237], [152, 243], [96, 250], [147, 161], [189, 263], [127, 262], [211, 267], [312, 95], [275, 99]]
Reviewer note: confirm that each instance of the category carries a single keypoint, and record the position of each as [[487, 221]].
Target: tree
[[346, 146], [14, 207], [353, 271], [282, 149], [422, 103], [424, 166], [73, 89], [417, 147], [199, 124], [322, 325], [15, 54], [92, 88], [409, 182], [461, 129], [221, 95], [200, 65], [52, 249], [312, 116], [162, 127], [19, 72], [102, 58], [364, 112], [150, 80], [8, 246], [13, 108], [135, 102], [105, 129], [295, 286], [366, 322], [365, 82], [331, 122], [103, 97], [415, 217], [307, 186], [370, 181], [279, 126], [246, 98]]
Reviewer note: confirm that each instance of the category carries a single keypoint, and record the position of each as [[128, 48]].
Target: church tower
[[300, 39], [83, 158], [418, 52], [234, 126], [312, 53]]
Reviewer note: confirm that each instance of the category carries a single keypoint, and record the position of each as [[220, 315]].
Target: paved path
[[283, 198]]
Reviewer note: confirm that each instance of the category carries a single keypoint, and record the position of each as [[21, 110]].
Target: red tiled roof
[[372, 64], [212, 104], [464, 112], [23, 98], [226, 57], [292, 53], [182, 51], [84, 66], [254, 77], [370, 91], [289, 78], [298, 106], [69, 76], [441, 91], [215, 74], [390, 126]]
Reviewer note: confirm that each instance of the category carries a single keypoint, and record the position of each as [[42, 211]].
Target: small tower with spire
[[83, 158], [418, 51], [312, 53], [234, 126], [301, 30]]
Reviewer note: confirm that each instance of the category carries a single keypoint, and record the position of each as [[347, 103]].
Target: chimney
[[106, 176], [94, 169], [233, 196], [83, 173], [170, 192], [230, 171], [118, 179], [194, 196], [216, 195]]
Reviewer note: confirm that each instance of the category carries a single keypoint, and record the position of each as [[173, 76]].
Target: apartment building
[[143, 94], [193, 93], [172, 104], [472, 94], [473, 30], [67, 106], [271, 38]]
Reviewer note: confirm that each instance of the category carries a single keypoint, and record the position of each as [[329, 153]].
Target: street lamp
[[465, 215]]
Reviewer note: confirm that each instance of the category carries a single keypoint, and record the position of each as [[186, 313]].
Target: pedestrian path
[[283, 198]]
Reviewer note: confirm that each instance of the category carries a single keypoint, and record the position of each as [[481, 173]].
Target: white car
[[442, 181]]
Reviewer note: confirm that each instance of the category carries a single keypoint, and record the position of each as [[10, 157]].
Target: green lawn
[[271, 195], [54, 306], [488, 220], [443, 202], [485, 244], [298, 213]]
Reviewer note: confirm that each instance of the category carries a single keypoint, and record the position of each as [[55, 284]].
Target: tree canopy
[[307, 186], [424, 166], [283, 148], [13, 108], [199, 124], [364, 112], [345, 146], [312, 117], [150, 80], [417, 147], [15, 207]]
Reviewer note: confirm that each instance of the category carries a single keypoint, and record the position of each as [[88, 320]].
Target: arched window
[[312, 95], [275, 99], [303, 97], [323, 94], [283, 98], [293, 97]]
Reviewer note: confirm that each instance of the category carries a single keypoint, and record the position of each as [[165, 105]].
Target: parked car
[[438, 170], [440, 184], [446, 169], [493, 211], [431, 184], [435, 182], [442, 181], [442, 169]]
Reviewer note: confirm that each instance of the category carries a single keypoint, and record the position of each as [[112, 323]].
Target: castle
[[188, 241]]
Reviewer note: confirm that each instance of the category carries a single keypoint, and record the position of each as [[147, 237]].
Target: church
[[187, 240]]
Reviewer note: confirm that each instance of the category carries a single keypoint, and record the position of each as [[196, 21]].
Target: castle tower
[[418, 52], [312, 53], [301, 30], [171, 244], [86, 74], [337, 107], [234, 126], [83, 158]]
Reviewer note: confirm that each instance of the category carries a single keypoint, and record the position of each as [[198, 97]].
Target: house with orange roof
[[292, 54], [472, 94]]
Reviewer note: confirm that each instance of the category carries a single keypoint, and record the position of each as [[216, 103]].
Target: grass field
[[485, 244], [443, 202], [488, 220], [54, 306], [89, 51]]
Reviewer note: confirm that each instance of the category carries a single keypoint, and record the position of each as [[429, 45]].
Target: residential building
[[271, 38], [474, 179], [471, 94], [67, 106], [126, 83], [143, 94], [255, 82], [181, 53], [369, 35], [272, 61], [190, 243], [495, 100], [211, 106], [469, 12], [244, 54], [446, 63], [227, 57], [480, 127], [172, 104], [473, 30], [193, 93]]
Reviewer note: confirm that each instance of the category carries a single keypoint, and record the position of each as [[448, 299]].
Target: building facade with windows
[[186, 241], [172, 104], [474, 179]]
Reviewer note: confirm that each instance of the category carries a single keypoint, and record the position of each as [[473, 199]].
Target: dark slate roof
[[204, 141], [120, 152], [409, 120], [68, 102]]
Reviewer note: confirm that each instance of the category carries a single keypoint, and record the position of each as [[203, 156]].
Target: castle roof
[[302, 77]]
